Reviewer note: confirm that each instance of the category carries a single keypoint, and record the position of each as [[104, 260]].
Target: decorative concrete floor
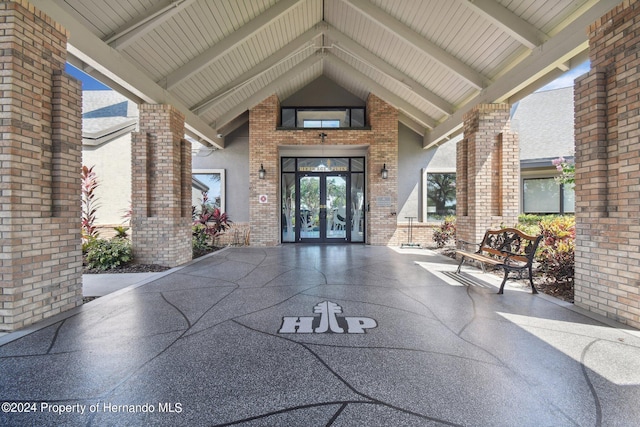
[[316, 336]]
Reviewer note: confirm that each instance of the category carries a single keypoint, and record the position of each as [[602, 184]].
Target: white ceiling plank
[[132, 31], [445, 59], [507, 21], [214, 52], [384, 93], [266, 91], [302, 41], [367, 56], [566, 44], [109, 62]]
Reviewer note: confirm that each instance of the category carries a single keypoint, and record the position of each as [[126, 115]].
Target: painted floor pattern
[[330, 335]]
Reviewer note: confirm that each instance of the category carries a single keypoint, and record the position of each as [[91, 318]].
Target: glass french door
[[323, 200], [322, 208]]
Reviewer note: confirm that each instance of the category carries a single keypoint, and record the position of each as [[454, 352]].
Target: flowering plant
[[567, 170]]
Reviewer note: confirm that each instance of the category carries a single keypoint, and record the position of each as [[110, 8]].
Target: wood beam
[[266, 91], [304, 40], [507, 21], [132, 31], [384, 93], [89, 49], [212, 54], [444, 58], [368, 57], [568, 43]]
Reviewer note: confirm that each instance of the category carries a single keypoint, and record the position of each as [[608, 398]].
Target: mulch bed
[[129, 268]]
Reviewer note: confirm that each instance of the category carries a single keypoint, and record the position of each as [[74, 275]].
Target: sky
[[566, 80], [88, 82]]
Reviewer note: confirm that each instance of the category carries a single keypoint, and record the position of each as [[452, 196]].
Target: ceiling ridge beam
[[297, 44], [516, 27], [384, 93], [213, 53], [378, 63], [571, 41], [133, 30], [267, 90], [444, 58]]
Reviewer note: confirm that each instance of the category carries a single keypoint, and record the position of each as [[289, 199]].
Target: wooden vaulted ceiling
[[432, 59]]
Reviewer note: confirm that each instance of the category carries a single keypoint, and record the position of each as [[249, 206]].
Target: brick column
[[161, 191], [487, 172], [607, 116], [40, 161], [382, 194]]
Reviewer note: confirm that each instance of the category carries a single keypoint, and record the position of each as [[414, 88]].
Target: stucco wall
[[234, 159], [112, 162]]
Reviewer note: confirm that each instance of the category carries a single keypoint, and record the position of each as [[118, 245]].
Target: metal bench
[[508, 249]]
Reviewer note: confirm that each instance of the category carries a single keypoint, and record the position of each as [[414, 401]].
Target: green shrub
[[105, 254], [121, 232], [557, 251], [445, 232]]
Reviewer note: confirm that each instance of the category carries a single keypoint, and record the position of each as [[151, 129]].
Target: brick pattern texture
[[607, 135], [265, 140], [488, 174], [161, 188], [40, 160]]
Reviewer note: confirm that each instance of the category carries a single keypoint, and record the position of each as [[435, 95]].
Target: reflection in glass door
[[309, 212], [336, 207], [357, 207]]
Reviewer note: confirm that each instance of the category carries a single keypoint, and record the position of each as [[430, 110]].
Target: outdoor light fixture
[[384, 172], [262, 172]]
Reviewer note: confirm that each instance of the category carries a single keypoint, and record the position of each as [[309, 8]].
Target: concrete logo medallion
[[328, 321]]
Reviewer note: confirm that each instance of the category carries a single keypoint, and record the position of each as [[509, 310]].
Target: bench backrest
[[498, 242]]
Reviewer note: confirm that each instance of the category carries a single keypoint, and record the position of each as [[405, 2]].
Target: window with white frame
[[207, 187], [440, 197]]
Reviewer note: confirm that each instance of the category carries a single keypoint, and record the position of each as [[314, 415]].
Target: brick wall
[[421, 233], [487, 178], [264, 140], [40, 160], [607, 117], [161, 188]]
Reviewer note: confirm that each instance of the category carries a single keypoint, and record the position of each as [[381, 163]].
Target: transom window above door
[[323, 118]]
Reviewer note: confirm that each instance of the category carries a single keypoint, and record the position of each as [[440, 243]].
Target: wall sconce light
[[261, 172], [384, 172]]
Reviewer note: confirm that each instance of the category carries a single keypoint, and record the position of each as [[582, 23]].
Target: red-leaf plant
[[210, 221], [89, 203]]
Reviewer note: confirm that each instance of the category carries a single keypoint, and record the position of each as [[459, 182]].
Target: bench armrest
[[464, 245]]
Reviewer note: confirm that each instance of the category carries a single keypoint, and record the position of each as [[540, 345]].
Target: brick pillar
[[382, 193], [264, 218], [487, 172], [161, 191], [607, 116], [40, 162]]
